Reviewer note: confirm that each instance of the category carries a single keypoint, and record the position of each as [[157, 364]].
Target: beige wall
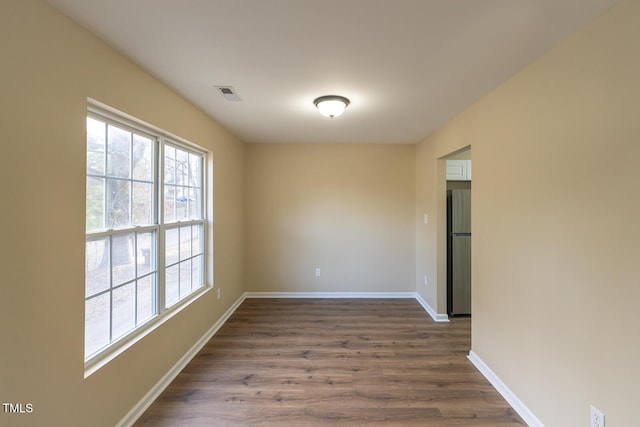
[[49, 68], [555, 276], [347, 209]]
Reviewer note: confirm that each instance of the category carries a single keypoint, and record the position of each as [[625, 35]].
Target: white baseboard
[[164, 382], [435, 316], [329, 294], [508, 395]]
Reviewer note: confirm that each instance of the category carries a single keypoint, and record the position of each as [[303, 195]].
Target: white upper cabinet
[[458, 170]]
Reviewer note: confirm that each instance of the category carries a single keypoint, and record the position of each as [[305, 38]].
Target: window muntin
[[135, 198]]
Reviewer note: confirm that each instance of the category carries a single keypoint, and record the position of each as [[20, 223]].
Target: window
[[145, 228]]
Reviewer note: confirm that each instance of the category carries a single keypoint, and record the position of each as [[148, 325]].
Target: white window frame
[[163, 312]]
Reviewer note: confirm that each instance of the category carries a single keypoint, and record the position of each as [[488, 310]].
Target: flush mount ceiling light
[[331, 105]]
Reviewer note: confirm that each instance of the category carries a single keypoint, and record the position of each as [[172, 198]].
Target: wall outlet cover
[[597, 417]]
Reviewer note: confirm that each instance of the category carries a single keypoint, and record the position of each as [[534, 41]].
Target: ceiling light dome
[[331, 105]]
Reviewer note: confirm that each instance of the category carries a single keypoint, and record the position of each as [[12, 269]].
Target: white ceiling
[[407, 65]]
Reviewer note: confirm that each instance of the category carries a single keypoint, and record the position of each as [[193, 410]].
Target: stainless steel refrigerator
[[459, 252]]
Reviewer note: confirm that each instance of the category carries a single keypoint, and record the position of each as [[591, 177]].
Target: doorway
[[458, 233]]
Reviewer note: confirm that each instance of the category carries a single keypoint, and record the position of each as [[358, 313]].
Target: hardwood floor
[[352, 362]]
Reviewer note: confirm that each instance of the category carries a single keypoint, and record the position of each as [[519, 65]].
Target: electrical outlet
[[597, 417], [219, 293], [317, 272], [426, 282], [426, 219]]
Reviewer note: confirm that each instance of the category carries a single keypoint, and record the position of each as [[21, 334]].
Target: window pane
[[95, 146], [118, 152], [196, 272], [194, 206], [122, 254], [142, 203], [171, 243], [124, 310], [96, 320], [169, 165], [182, 167], [169, 203], [96, 266], [118, 203], [182, 205], [171, 285], [185, 278], [146, 255], [194, 170], [185, 242], [146, 301], [95, 204], [196, 239], [142, 158]]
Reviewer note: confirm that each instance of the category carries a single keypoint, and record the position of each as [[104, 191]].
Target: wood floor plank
[[320, 362]]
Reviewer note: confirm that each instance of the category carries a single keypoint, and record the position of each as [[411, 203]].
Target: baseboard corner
[[435, 316]]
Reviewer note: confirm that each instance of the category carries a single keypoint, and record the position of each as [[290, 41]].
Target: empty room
[[301, 213]]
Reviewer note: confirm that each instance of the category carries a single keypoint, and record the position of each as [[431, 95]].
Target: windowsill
[[100, 359]]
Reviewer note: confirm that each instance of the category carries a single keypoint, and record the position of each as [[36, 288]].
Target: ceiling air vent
[[229, 93]]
